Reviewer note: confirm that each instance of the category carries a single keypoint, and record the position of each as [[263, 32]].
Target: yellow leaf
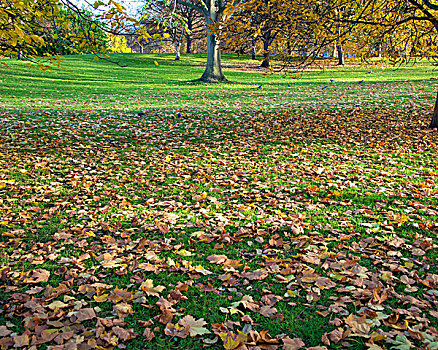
[[156, 63], [149, 289], [184, 252], [409, 265], [231, 340], [101, 298]]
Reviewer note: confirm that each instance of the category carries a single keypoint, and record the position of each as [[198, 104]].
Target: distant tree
[[195, 26], [251, 24], [64, 38], [31, 28], [165, 18], [400, 30], [118, 43], [176, 21], [212, 11]]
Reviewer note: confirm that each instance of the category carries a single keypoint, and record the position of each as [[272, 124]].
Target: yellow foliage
[[118, 43], [307, 28]]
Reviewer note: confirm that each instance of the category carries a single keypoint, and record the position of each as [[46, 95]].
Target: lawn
[[141, 210]]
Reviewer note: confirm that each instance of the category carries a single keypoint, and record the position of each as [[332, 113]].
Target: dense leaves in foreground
[[262, 231]]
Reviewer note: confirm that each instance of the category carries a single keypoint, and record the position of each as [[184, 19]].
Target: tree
[[286, 28], [249, 25], [27, 27], [64, 38], [177, 22], [195, 26], [165, 19], [408, 30], [212, 11], [400, 30], [20, 23]]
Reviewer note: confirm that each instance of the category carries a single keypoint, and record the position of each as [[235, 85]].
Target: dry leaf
[[292, 344], [194, 327], [37, 276], [149, 289]]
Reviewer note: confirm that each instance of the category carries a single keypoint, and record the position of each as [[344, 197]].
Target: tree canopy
[[399, 30], [28, 28]]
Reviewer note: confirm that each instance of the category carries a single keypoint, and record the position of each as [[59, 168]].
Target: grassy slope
[[79, 165], [102, 85]]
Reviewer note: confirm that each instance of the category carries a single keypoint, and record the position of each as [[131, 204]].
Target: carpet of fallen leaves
[[298, 230]]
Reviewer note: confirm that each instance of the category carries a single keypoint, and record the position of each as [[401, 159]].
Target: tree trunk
[[189, 36], [178, 51], [434, 122], [253, 49], [253, 53], [341, 58], [189, 44], [265, 63], [19, 53], [213, 70]]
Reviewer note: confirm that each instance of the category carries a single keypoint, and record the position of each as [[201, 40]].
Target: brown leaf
[[247, 319], [147, 323], [325, 339], [418, 252], [194, 327], [118, 295], [37, 276], [259, 274], [149, 334], [358, 325], [182, 287], [85, 315], [61, 338], [166, 317], [47, 335], [271, 299], [268, 311], [124, 334], [325, 283], [292, 344], [123, 310], [175, 331], [4, 332], [336, 335], [406, 280], [21, 340], [217, 259], [163, 228]]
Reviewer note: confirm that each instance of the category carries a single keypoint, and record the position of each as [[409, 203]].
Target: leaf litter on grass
[[232, 231]]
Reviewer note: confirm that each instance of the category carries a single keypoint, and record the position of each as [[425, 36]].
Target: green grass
[[89, 85], [86, 182]]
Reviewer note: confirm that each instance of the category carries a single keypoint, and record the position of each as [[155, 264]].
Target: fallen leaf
[[149, 289], [194, 327], [37, 276], [85, 315], [292, 343]]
